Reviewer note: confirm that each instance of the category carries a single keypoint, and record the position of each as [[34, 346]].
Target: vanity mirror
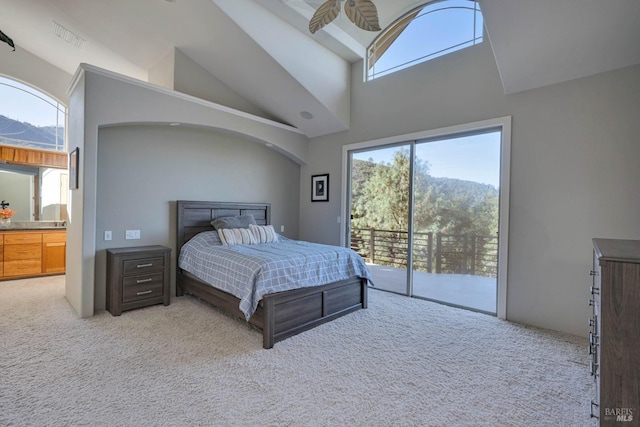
[[35, 189]]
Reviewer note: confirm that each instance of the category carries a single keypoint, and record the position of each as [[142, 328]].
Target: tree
[[380, 200]]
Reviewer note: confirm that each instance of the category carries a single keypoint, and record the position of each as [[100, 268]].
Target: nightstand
[[137, 277]]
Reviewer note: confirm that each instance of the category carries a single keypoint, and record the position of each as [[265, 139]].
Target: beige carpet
[[402, 362]]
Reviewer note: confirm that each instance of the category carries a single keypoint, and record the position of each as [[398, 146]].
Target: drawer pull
[[144, 280], [144, 265], [143, 292]]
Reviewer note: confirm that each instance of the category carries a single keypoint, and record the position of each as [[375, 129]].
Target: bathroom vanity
[[32, 251]]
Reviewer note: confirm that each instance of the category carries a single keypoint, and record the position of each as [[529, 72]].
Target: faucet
[[4, 204]]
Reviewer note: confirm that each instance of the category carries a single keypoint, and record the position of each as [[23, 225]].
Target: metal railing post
[[372, 246], [438, 252]]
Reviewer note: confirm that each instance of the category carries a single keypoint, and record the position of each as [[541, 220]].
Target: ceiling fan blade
[[5, 38], [363, 13], [326, 13]]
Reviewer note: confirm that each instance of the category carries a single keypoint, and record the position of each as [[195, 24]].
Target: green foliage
[[380, 199]]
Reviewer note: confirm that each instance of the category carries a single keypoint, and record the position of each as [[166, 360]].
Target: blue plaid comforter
[[251, 271]]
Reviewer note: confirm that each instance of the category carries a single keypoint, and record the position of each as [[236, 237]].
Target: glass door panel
[[455, 220], [380, 181]]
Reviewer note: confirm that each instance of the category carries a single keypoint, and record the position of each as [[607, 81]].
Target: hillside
[[24, 134]]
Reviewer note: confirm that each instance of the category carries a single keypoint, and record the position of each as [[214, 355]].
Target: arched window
[[431, 30], [30, 118]]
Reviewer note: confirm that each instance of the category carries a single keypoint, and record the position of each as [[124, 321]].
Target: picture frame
[[320, 188], [74, 168]]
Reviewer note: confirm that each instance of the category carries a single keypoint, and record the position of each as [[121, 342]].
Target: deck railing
[[432, 252]]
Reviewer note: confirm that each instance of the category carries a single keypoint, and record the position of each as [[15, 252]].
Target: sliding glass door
[[380, 202], [425, 216], [455, 220]]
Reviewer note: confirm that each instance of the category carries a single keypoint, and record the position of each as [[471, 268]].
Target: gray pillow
[[240, 221]]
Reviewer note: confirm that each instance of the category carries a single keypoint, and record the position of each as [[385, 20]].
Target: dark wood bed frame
[[279, 315]]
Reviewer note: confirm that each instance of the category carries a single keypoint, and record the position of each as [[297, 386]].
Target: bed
[[278, 315]]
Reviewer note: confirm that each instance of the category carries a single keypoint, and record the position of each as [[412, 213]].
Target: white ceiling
[[263, 51]]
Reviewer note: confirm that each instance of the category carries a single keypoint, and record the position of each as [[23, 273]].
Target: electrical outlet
[[107, 235], [132, 234], [282, 228]]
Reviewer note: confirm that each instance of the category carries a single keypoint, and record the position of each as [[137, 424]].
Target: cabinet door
[[54, 252], [1, 255]]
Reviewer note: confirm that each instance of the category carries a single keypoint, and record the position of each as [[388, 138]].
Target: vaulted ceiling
[[263, 51]]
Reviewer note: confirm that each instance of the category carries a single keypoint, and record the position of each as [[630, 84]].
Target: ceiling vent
[[67, 35]]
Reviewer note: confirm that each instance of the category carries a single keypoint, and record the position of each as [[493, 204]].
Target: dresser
[[137, 277], [614, 335]]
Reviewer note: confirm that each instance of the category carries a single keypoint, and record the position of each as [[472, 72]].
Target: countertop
[[27, 228], [34, 226]]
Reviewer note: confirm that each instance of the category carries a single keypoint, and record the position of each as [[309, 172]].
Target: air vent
[[67, 35]]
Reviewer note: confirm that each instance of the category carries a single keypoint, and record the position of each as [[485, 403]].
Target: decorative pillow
[[264, 233], [240, 221], [236, 236]]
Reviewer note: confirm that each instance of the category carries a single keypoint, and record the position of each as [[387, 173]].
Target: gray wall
[[32, 70], [143, 170], [574, 167]]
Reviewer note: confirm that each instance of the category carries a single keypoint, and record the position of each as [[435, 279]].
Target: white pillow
[[237, 236], [264, 233]]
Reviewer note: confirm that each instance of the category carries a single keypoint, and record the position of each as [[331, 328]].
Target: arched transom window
[[30, 118], [426, 32]]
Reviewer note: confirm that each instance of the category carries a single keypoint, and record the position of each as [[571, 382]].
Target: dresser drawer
[[20, 238], [143, 265], [22, 267], [141, 287], [27, 251]]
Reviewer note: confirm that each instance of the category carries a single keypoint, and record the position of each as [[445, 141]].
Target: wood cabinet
[[22, 254], [614, 336], [137, 277], [31, 253], [1, 255], [54, 252]]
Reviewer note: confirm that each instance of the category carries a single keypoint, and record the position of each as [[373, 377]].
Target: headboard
[[196, 217]]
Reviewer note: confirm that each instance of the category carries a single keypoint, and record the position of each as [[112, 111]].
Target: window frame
[[61, 115], [390, 34]]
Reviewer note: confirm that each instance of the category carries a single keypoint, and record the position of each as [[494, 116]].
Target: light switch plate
[[107, 235], [132, 234]]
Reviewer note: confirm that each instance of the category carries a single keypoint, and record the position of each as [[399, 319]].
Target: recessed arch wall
[[102, 99]]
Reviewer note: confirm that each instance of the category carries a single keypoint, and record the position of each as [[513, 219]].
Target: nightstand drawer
[[141, 287], [143, 265]]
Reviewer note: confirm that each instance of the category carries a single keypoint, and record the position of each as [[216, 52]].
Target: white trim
[[86, 67], [504, 123]]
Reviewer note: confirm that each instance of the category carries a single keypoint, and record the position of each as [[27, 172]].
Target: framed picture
[[74, 168], [320, 188]]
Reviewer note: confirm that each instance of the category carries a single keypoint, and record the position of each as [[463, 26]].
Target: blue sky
[[472, 158], [23, 106], [439, 29]]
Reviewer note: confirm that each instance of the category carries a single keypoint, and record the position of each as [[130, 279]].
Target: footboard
[[289, 313]]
